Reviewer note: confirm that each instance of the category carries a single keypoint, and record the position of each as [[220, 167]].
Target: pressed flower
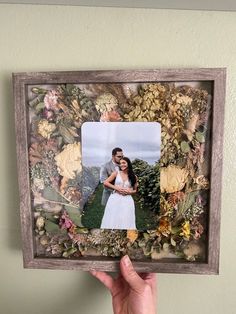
[[173, 178], [50, 99], [192, 250], [40, 222], [65, 221], [164, 227], [45, 128], [69, 161], [132, 235], [174, 198], [48, 114], [186, 230], [202, 181], [106, 102], [111, 116], [39, 183]]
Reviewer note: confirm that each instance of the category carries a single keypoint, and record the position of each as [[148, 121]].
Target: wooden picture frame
[[203, 130]]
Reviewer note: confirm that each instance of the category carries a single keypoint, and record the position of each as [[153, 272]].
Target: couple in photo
[[120, 183]]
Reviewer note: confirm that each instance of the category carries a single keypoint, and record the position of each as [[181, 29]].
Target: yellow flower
[[183, 100], [132, 235], [186, 230], [173, 178], [45, 128]]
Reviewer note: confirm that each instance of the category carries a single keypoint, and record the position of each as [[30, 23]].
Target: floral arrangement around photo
[[56, 116]]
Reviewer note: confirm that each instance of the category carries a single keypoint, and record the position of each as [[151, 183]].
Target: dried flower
[[192, 250], [197, 228], [45, 129], [185, 230], [48, 114], [173, 178], [56, 249], [174, 198], [69, 161], [106, 102], [44, 240], [164, 227], [132, 235], [202, 181], [111, 116], [78, 238], [183, 100], [39, 183], [50, 99], [40, 222], [65, 221]]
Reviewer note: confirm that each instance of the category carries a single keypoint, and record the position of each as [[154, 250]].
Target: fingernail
[[93, 272], [126, 260]]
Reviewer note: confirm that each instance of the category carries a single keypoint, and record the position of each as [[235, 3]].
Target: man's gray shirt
[[106, 171]]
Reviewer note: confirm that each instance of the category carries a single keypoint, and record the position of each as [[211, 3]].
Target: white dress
[[120, 210]]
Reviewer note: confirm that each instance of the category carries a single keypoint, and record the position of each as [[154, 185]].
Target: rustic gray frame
[[216, 76]]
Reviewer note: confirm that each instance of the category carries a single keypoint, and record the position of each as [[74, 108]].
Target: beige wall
[[44, 38]]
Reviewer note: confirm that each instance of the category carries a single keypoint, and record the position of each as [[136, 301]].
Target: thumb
[[130, 275]]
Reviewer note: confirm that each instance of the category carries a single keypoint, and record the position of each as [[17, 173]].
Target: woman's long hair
[[131, 175]]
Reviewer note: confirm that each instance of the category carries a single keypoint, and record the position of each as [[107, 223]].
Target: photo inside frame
[[138, 204]]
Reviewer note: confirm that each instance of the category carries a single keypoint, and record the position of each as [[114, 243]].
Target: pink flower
[[110, 116], [50, 99], [65, 221]]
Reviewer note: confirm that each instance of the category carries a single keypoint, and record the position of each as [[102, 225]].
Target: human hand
[[132, 293], [121, 190]]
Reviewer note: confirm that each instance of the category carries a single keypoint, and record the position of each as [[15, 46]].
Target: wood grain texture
[[216, 76]]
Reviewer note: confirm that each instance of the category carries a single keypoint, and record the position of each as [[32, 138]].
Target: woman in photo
[[120, 210]]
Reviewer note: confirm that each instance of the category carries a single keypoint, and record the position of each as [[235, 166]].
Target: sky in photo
[[140, 140]]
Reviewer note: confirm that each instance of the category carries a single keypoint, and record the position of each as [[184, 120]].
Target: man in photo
[[107, 169]]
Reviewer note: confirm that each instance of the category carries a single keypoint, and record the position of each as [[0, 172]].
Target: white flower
[[40, 222], [39, 183]]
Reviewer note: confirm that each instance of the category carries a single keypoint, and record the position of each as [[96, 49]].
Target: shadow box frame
[[216, 76]]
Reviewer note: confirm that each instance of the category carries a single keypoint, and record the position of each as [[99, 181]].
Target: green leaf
[[185, 147], [69, 252], [66, 134], [172, 241], [52, 195], [50, 216], [74, 215], [35, 101], [82, 230], [40, 106], [51, 227], [187, 202], [38, 90], [200, 137]]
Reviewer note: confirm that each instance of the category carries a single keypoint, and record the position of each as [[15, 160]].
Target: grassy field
[[94, 211]]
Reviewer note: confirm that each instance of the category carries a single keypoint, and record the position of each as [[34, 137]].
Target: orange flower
[[164, 227], [132, 235]]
